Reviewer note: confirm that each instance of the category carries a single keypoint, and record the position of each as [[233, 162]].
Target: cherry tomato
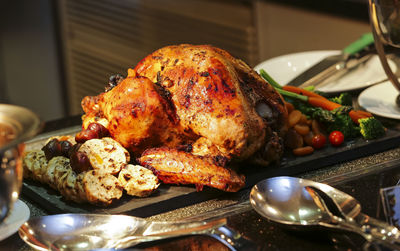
[[318, 141], [336, 138]]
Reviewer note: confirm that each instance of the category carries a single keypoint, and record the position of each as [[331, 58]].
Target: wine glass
[[17, 124], [385, 22]]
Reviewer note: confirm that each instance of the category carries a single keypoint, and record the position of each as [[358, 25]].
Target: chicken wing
[[179, 167]]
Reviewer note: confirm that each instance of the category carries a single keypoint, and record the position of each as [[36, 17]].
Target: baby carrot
[[323, 103], [312, 98], [301, 91], [356, 115]]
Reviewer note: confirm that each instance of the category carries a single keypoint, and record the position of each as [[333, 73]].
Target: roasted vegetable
[[336, 138], [318, 141], [343, 123], [311, 98], [343, 99], [371, 128], [336, 114]]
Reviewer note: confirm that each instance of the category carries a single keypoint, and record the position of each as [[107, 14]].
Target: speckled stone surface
[[237, 207], [228, 202]]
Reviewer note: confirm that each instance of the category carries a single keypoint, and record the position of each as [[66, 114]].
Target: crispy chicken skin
[[199, 108], [216, 96], [138, 116], [173, 166]]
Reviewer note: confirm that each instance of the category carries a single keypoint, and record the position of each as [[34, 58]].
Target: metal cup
[[22, 124], [385, 22]]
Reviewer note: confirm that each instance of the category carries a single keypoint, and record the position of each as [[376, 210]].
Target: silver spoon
[[99, 231], [300, 203]]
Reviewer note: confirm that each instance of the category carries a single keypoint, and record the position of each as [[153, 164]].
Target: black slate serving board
[[169, 197]]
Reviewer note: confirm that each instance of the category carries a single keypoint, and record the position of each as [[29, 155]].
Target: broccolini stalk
[[310, 88], [293, 95], [340, 117], [269, 79], [312, 98]]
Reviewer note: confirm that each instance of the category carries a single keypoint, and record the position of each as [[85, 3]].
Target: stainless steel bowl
[[24, 124]]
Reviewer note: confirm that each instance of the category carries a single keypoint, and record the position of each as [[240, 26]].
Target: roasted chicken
[[186, 112]]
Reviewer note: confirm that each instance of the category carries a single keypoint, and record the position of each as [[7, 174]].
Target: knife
[[353, 55]]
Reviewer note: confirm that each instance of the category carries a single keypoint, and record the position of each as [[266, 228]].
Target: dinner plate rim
[[373, 88], [318, 55], [18, 216]]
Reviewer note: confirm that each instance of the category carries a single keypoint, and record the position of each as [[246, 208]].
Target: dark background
[[55, 52]]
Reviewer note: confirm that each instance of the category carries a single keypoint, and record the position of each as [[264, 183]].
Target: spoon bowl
[[99, 231], [286, 200], [79, 231], [300, 203]]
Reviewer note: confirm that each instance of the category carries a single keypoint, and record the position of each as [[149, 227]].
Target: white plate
[[19, 215], [380, 100], [286, 67]]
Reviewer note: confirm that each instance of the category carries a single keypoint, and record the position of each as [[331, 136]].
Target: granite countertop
[[241, 214]]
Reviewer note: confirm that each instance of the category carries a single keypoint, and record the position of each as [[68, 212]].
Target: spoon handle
[[214, 228], [233, 239], [378, 230], [374, 240], [378, 234]]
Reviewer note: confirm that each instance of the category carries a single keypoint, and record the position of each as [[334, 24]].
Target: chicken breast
[[219, 97]]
